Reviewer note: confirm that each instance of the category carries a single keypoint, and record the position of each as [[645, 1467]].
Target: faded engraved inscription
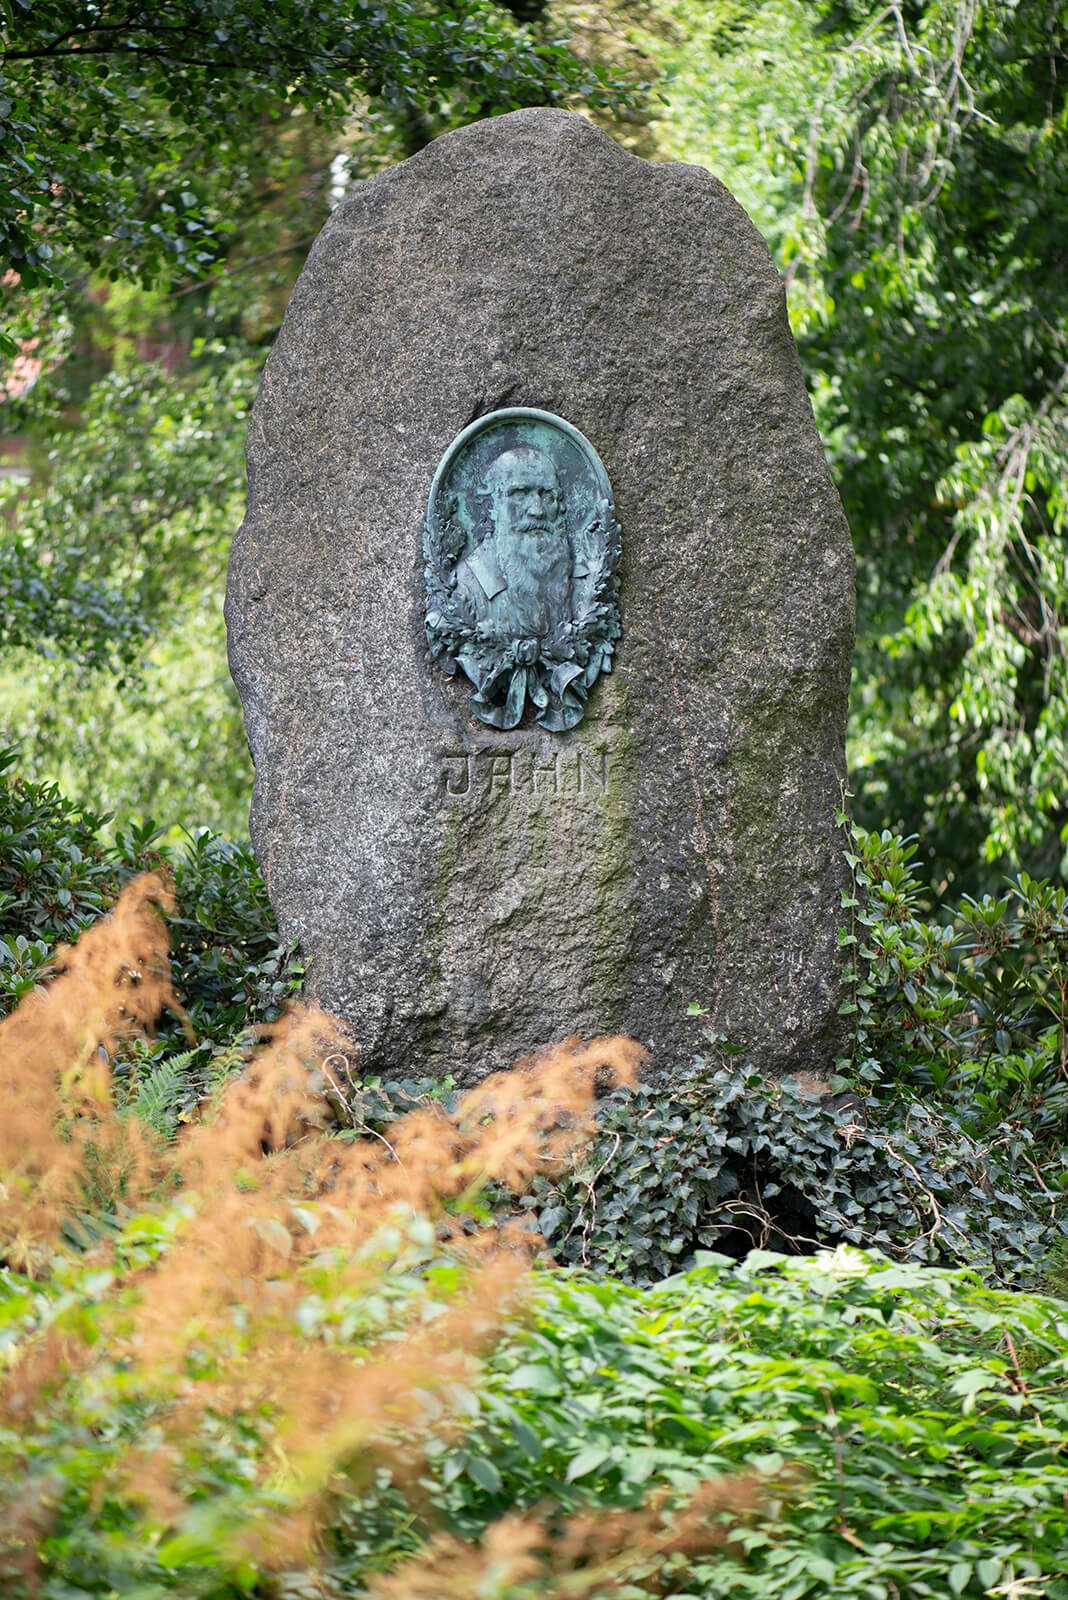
[[487, 773]]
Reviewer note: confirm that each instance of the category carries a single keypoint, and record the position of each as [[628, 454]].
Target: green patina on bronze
[[521, 547]]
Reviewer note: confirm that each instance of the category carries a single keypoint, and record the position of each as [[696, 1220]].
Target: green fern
[[158, 1100], [227, 1062]]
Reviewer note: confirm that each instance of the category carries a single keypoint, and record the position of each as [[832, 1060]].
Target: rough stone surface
[[463, 894]]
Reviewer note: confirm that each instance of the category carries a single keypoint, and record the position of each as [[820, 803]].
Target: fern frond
[[158, 1100]]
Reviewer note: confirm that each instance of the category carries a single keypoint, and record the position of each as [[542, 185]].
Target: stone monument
[[542, 616]]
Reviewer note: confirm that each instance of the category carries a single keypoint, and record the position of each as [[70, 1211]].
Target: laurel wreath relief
[[553, 674]]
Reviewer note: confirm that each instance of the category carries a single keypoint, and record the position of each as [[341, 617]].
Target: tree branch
[[243, 266]]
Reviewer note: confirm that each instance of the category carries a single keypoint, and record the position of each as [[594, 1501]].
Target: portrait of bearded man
[[521, 546], [518, 580]]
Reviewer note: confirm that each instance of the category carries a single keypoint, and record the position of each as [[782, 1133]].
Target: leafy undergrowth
[[869, 1430], [947, 1146], [289, 1364], [723, 1159], [917, 1418], [266, 1320]]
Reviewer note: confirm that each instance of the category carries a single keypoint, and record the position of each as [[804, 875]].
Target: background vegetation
[[804, 1344], [906, 163]]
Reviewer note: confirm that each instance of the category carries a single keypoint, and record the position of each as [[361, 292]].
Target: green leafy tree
[[119, 688], [168, 167], [114, 117], [134, 513], [938, 193], [908, 164]]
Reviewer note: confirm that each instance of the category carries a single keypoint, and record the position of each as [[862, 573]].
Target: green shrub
[[974, 1008], [58, 874], [229, 966], [724, 1159], [56, 877], [927, 1413]]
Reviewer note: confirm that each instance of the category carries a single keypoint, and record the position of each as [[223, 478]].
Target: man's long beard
[[538, 553]]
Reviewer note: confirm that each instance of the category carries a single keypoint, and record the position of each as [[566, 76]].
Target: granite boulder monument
[[542, 616]]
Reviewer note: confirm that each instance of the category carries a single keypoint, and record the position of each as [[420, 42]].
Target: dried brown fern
[[55, 1080], [269, 1195], [593, 1555], [261, 1168]]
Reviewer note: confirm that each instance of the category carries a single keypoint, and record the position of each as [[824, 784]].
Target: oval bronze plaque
[[521, 547]]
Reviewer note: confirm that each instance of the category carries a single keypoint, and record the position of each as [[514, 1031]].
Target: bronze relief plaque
[[521, 547]]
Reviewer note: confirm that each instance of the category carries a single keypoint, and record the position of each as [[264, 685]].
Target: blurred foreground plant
[[300, 1364], [277, 1319]]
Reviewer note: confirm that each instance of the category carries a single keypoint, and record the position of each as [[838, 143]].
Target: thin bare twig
[[592, 1192], [1019, 1384], [242, 266]]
